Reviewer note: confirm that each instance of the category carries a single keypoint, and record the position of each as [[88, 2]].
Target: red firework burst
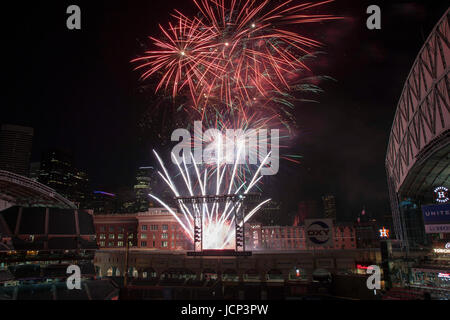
[[234, 53]]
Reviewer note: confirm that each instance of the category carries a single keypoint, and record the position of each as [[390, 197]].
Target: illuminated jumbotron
[[19, 190], [417, 158]]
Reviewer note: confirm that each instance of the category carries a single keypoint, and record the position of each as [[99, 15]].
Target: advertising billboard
[[319, 232], [436, 218]]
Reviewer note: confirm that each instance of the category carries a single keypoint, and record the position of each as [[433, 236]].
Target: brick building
[[259, 237], [155, 229]]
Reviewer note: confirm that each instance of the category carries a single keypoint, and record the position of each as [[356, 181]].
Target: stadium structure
[[418, 153]]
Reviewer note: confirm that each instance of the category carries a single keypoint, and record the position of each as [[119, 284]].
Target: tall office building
[[329, 206], [144, 180], [58, 172], [15, 148], [56, 168]]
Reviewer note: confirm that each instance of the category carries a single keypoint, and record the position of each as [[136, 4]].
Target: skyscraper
[[56, 169], [142, 188], [15, 148], [58, 172], [329, 206]]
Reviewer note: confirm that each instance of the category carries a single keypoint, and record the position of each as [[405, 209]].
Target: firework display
[[217, 216], [236, 55], [238, 65]]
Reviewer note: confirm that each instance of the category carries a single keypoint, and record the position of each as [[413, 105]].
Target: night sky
[[78, 91]]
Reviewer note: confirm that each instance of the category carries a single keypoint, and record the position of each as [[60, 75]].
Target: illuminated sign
[[444, 275], [363, 267], [436, 213], [437, 228], [441, 194], [384, 233], [319, 232], [438, 250]]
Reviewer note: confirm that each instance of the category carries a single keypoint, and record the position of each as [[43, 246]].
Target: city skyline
[[98, 114], [226, 150]]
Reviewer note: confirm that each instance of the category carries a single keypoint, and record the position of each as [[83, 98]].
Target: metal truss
[[423, 111], [422, 116], [23, 191]]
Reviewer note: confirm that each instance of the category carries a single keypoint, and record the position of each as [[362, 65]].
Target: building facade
[[15, 148], [144, 181], [259, 237], [155, 229], [329, 206], [57, 171]]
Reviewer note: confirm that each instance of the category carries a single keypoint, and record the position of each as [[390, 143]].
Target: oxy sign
[[319, 232]]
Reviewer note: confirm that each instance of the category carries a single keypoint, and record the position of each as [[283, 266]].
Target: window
[[120, 243], [111, 236], [111, 244], [165, 227], [153, 244], [120, 236], [154, 227], [102, 236], [143, 236], [164, 236], [143, 243], [111, 229], [102, 243], [102, 229], [164, 244], [144, 227], [130, 236]]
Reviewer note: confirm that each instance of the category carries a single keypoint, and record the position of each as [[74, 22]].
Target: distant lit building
[[79, 192], [104, 202], [15, 148], [329, 206], [145, 178], [58, 172]]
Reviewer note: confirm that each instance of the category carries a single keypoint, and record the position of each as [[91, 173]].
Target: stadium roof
[[23, 191]]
